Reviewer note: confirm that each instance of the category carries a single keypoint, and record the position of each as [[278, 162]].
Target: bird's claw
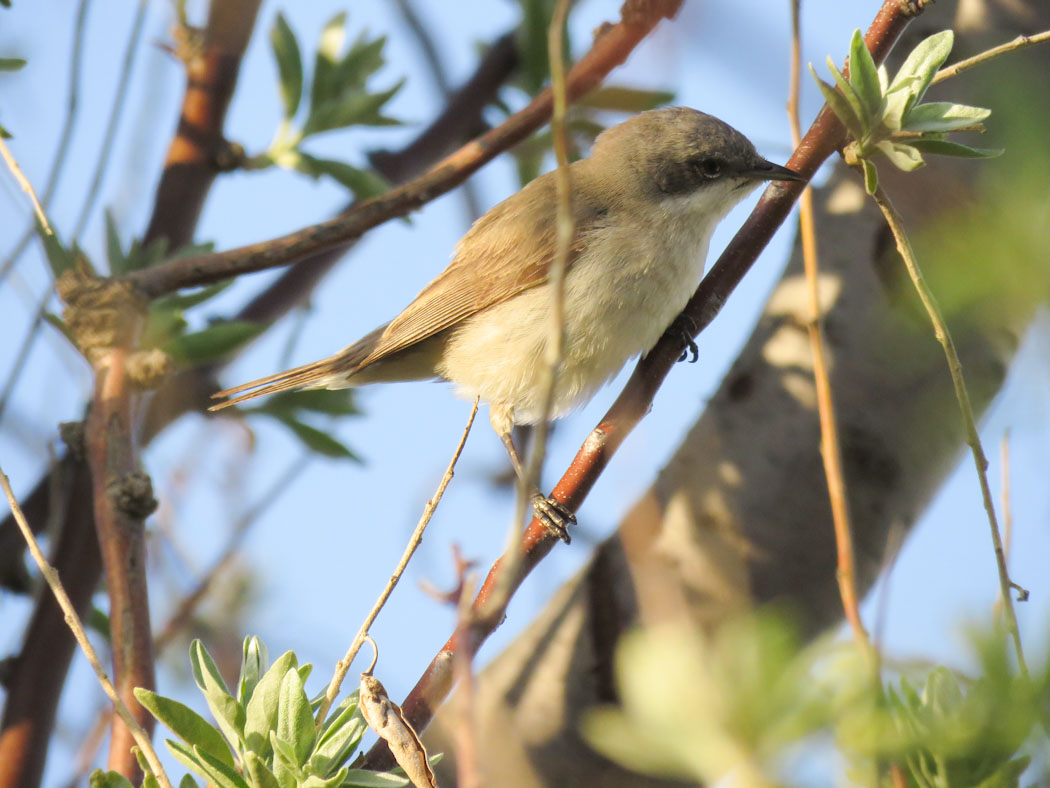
[[556, 517], [686, 328]]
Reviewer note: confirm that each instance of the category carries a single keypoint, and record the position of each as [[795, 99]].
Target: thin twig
[[830, 449], [26, 186], [51, 576], [564, 230], [940, 330], [57, 165], [976, 60], [343, 666], [109, 137]]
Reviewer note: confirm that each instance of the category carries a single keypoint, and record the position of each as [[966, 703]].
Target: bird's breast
[[622, 291]]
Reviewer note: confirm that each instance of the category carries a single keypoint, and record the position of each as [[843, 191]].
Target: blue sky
[[324, 549]]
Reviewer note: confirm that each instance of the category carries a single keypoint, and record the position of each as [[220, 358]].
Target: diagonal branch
[[611, 48], [824, 137]]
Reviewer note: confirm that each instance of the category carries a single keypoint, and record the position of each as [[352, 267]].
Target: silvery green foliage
[[885, 116], [748, 703], [338, 98], [264, 734]]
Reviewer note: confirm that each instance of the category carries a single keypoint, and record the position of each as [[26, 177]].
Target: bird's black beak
[[768, 171]]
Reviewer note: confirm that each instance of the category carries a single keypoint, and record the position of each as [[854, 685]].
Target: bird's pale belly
[[614, 310]]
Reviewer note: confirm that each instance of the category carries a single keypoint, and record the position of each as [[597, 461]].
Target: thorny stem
[[830, 449], [142, 738], [343, 666], [962, 396]]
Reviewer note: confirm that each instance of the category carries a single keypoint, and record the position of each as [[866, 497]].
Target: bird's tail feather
[[317, 374], [297, 378]]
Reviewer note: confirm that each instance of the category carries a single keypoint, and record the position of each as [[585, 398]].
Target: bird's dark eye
[[708, 168]]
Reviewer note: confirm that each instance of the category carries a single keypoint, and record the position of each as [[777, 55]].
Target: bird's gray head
[[678, 152]]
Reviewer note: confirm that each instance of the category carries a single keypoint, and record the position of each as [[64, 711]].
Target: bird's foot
[[687, 328], [556, 517]]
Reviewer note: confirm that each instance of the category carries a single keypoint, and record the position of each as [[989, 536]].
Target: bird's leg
[[686, 327], [556, 517]]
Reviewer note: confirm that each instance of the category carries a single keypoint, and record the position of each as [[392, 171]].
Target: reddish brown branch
[[123, 498], [824, 137], [195, 152], [611, 48]]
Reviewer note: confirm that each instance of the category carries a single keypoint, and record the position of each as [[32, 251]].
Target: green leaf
[[101, 779], [864, 77], [4, 133], [185, 723], [363, 183], [214, 342], [285, 766], [333, 36], [922, 63], [261, 711], [220, 774], [903, 156], [59, 257], [258, 773], [334, 402], [621, 99], [187, 781], [367, 779], [942, 116], [289, 64], [11, 63], [532, 43], [940, 147], [353, 109], [182, 301], [316, 781], [295, 723], [139, 256], [229, 714], [318, 441], [59, 325], [254, 661], [845, 109], [363, 60], [114, 252], [342, 732], [871, 176]]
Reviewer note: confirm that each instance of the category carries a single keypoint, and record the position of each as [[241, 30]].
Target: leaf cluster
[[264, 734], [738, 703], [339, 98], [886, 117]]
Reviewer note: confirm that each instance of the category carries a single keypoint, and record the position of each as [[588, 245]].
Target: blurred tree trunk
[[740, 515]]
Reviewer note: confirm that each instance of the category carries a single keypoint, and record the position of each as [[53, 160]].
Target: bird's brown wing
[[507, 251]]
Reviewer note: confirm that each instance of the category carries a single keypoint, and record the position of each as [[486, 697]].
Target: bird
[[644, 205]]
